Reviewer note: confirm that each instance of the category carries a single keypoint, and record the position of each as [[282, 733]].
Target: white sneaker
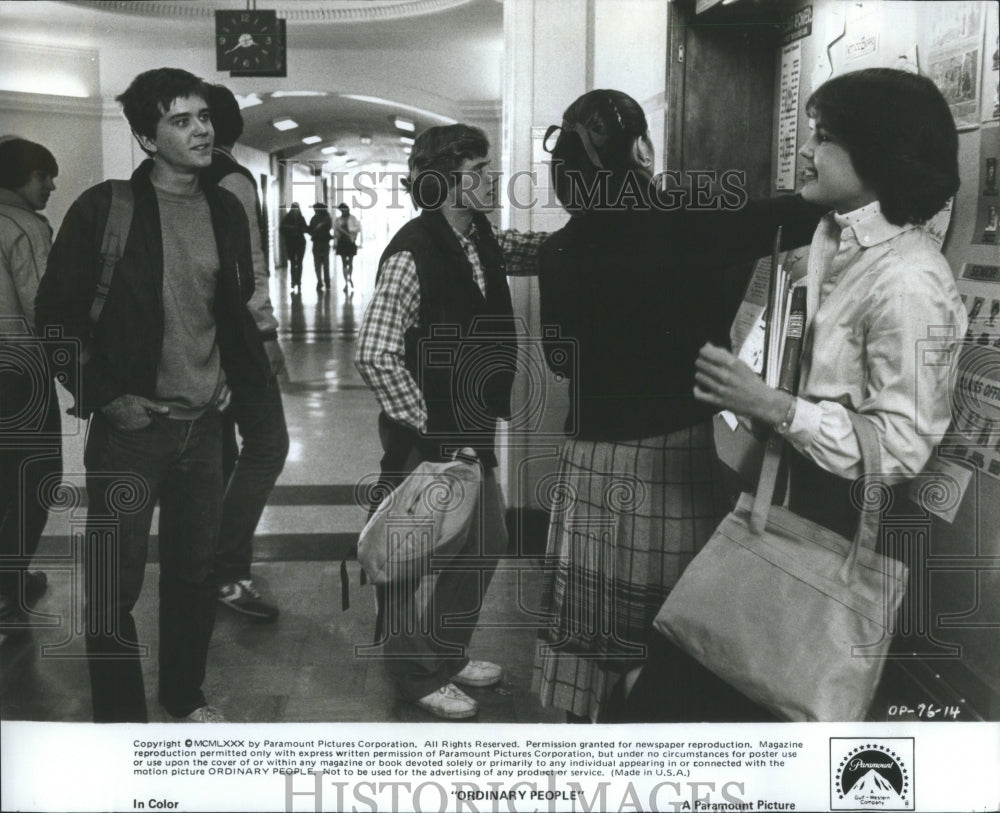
[[479, 674], [242, 597], [450, 703], [205, 714]]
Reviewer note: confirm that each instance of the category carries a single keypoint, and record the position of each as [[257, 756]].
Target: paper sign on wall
[[863, 24], [788, 115]]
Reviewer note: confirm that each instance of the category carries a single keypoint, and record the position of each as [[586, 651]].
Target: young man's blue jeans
[[250, 473], [177, 463]]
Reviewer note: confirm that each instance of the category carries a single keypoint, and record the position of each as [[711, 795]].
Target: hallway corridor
[[304, 667]]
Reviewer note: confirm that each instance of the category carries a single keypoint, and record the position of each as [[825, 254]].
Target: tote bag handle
[[869, 521]]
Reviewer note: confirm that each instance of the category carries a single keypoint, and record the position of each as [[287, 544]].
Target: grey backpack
[[115, 235]]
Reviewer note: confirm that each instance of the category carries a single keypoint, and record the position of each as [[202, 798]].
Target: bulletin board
[[975, 436]]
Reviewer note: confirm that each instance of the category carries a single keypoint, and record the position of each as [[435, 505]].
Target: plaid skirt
[[626, 518]]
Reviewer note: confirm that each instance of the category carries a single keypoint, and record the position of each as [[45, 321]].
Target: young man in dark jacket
[[173, 335], [321, 233]]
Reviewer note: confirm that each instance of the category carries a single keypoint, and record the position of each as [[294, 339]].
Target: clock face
[[280, 69], [246, 40]]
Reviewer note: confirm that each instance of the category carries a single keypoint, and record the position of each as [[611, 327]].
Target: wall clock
[[246, 41], [281, 67]]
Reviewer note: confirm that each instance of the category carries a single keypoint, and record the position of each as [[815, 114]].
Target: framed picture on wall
[[955, 36], [991, 64]]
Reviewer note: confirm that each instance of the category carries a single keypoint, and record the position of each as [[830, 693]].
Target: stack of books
[[785, 319]]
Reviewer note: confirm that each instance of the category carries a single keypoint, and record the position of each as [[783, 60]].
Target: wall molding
[[41, 103], [346, 11], [30, 46], [57, 70]]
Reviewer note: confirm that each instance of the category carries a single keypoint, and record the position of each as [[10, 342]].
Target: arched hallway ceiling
[[335, 23], [424, 60], [341, 122]]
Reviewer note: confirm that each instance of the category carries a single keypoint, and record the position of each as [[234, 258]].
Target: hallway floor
[[314, 664]]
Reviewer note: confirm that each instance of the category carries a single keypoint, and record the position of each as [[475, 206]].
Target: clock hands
[[245, 41]]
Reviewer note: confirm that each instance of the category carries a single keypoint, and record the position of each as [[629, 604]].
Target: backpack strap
[[113, 245]]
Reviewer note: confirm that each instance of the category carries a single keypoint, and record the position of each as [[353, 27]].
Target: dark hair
[[19, 158], [601, 125], [151, 93], [436, 154], [901, 137], [227, 120]]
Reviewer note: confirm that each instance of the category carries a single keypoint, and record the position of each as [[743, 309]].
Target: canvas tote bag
[[430, 512], [791, 614]]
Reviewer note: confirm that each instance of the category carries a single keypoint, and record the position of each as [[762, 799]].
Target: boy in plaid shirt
[[444, 274]]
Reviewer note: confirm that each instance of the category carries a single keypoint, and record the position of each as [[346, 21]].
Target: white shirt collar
[[868, 225], [856, 216]]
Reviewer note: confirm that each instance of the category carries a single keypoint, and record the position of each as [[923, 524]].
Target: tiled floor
[[306, 666], [309, 666]]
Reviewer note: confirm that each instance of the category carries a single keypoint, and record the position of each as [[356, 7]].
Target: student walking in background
[[250, 470], [293, 231], [347, 229], [30, 437], [320, 231]]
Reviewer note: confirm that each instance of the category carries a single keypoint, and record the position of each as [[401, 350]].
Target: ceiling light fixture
[[366, 140], [285, 94], [406, 139], [311, 140], [250, 100], [405, 124], [328, 150], [285, 124]]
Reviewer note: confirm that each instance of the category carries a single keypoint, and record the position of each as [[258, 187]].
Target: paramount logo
[[871, 774]]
